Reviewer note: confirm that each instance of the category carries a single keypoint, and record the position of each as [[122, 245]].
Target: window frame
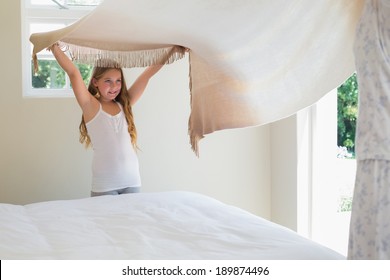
[[321, 176], [44, 14]]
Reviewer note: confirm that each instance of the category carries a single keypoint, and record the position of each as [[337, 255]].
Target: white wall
[[291, 177], [284, 172], [41, 159]]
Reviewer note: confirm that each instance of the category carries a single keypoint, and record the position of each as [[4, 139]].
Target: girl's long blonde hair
[[123, 98]]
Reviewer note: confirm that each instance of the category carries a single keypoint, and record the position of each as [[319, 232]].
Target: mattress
[[173, 225]]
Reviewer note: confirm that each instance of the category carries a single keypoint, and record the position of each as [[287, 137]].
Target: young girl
[[107, 123]]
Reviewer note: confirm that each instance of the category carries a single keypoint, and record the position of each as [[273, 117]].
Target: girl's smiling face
[[109, 84]]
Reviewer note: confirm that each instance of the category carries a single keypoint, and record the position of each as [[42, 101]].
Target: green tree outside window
[[347, 109], [51, 76]]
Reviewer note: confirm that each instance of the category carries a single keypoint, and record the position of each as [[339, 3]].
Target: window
[[42, 16], [326, 166], [334, 165]]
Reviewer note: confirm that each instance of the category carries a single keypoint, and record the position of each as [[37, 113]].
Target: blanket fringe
[[35, 61], [125, 59], [194, 137], [194, 141]]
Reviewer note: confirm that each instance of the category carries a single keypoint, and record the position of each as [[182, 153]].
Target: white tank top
[[115, 163]]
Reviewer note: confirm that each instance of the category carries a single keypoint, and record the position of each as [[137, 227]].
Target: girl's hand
[[50, 48], [62, 47]]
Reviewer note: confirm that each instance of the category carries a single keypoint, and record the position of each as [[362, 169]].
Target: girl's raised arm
[[83, 97]]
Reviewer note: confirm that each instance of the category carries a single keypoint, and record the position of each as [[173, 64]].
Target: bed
[[174, 225]]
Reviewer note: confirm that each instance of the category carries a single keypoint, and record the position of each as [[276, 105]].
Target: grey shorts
[[117, 192]]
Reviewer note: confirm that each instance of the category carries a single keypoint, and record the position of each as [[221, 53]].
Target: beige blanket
[[251, 61]]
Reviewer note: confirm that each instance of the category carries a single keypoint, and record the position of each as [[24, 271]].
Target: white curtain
[[370, 220]]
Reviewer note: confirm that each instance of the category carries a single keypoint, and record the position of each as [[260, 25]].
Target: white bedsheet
[[166, 225]]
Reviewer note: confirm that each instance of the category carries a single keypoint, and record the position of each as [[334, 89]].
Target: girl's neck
[[105, 101]]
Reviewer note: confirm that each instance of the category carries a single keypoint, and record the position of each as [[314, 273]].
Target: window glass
[[83, 2], [43, 16], [42, 2], [65, 3]]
